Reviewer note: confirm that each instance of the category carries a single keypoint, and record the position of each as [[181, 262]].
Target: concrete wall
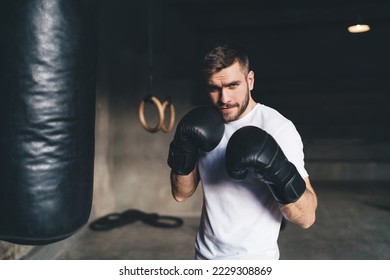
[[348, 160], [137, 159]]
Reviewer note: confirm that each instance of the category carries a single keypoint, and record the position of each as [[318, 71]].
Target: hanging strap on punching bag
[[47, 109]]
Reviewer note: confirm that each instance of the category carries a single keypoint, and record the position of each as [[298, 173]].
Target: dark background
[[329, 82]]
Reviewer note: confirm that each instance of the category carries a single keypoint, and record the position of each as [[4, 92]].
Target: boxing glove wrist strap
[[182, 162], [291, 192]]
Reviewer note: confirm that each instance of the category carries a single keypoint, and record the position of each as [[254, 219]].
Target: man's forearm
[[302, 212], [183, 186]]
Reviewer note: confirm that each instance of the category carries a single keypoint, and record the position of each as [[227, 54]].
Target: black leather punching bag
[[47, 109]]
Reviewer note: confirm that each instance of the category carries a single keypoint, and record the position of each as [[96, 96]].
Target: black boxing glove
[[201, 128], [252, 147]]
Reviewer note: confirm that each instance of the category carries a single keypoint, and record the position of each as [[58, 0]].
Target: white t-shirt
[[241, 219]]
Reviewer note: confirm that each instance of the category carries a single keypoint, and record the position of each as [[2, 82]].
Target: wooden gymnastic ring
[[172, 117], [141, 114]]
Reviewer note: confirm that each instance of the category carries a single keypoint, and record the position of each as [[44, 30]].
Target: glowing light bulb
[[358, 28]]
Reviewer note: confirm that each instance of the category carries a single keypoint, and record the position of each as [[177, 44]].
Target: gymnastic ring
[[172, 117], [141, 114]]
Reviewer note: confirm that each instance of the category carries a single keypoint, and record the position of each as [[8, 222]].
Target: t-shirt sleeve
[[291, 144]]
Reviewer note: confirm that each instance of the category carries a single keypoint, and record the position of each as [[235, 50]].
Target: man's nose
[[224, 96]]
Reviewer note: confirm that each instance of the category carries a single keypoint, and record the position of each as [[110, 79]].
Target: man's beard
[[241, 109]]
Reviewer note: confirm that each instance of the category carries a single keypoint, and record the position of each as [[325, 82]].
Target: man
[[250, 161]]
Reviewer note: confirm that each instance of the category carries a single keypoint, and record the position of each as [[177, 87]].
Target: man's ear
[[251, 80]]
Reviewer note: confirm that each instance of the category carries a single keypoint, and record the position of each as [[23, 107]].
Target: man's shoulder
[[270, 112], [271, 118]]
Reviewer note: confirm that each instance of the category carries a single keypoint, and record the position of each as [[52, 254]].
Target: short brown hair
[[223, 56]]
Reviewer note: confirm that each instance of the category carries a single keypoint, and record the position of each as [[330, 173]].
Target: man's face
[[229, 90]]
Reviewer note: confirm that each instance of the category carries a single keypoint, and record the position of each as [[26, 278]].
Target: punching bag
[[48, 69]]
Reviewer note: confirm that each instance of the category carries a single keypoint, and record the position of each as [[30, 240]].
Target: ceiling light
[[358, 28]]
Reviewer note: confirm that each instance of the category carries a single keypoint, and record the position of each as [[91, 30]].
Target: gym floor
[[352, 224]]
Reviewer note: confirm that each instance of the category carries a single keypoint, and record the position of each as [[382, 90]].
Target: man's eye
[[232, 86]]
